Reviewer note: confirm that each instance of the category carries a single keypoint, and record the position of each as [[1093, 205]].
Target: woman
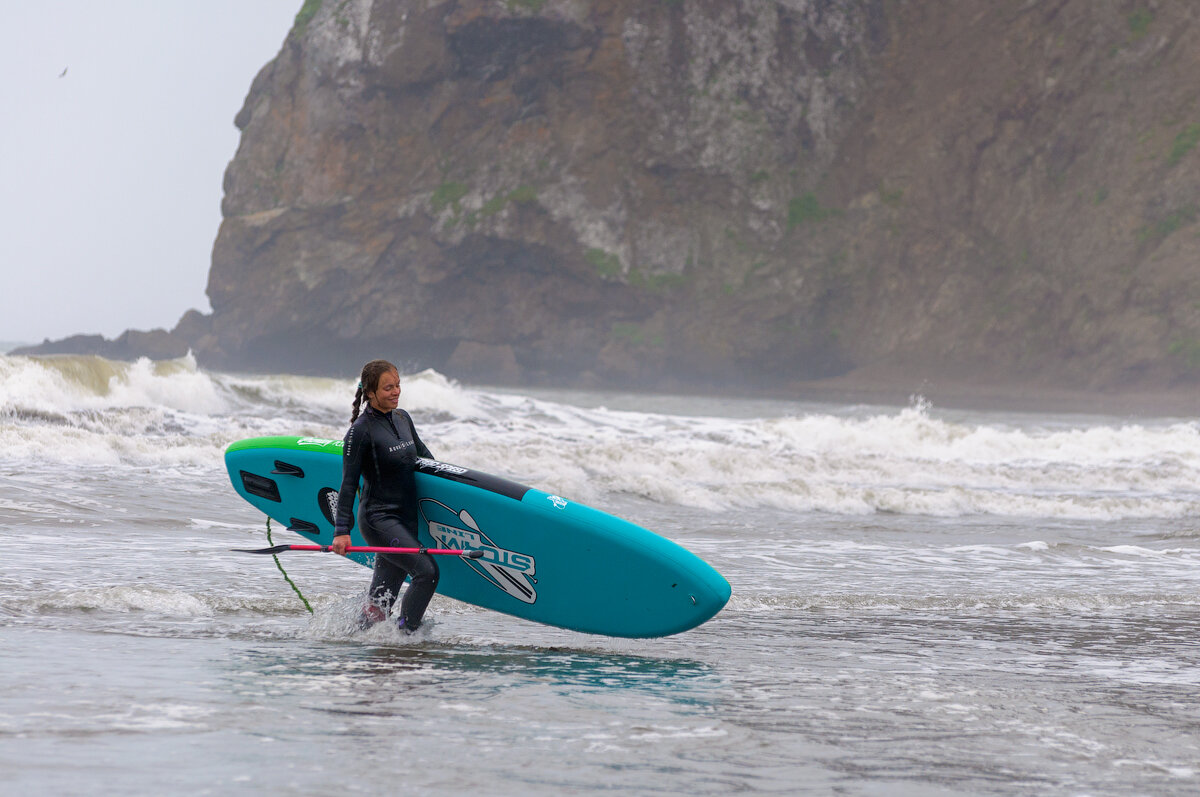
[[382, 447]]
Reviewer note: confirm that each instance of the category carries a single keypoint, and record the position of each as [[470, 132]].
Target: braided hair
[[369, 382]]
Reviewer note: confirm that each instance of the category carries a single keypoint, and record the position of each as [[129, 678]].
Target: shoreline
[[941, 393], [966, 394]]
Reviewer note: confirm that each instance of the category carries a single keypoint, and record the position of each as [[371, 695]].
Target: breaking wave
[[92, 412]]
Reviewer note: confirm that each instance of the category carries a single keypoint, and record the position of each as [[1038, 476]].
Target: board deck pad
[[544, 559]]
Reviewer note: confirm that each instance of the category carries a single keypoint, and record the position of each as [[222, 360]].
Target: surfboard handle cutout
[[288, 469], [260, 486], [303, 526]]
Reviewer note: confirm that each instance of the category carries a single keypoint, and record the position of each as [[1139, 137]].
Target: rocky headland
[[726, 194]]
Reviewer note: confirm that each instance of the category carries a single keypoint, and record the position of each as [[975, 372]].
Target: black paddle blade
[[276, 549], [475, 554]]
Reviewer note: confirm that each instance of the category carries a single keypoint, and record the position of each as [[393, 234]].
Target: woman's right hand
[[340, 543]]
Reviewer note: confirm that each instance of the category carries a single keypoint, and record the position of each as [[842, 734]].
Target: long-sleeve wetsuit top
[[382, 448]]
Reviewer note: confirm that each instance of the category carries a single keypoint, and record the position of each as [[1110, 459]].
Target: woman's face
[[387, 393]]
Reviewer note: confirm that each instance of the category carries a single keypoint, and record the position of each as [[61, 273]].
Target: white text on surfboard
[[318, 441], [462, 540]]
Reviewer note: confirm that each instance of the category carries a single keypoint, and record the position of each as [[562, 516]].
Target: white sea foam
[[170, 602], [87, 411], [903, 462], [161, 601]]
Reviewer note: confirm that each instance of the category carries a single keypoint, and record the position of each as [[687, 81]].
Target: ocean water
[[924, 602]]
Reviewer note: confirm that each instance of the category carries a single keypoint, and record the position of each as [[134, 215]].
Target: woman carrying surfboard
[[382, 448]]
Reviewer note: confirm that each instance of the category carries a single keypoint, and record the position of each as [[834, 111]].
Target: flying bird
[[64, 72]]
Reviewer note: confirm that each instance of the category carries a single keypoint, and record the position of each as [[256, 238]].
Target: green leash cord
[[285, 575]]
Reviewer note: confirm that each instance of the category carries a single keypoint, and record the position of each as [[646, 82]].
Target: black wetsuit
[[383, 449]]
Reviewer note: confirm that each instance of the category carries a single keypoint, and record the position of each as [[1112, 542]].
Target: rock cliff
[[719, 192], [538, 189]]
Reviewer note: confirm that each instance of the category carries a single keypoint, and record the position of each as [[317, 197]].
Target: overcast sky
[[110, 175]]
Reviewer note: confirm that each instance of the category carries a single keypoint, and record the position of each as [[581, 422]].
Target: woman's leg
[[388, 531], [386, 581]]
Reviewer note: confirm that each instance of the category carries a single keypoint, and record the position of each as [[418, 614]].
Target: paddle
[[469, 554]]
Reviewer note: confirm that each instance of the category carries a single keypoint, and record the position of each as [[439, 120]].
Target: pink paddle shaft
[[378, 549]]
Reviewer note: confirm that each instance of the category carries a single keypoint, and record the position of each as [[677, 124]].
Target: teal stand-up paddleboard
[[545, 558]]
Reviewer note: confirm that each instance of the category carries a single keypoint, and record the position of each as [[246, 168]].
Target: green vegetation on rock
[[635, 334], [1158, 231], [1139, 22], [305, 14], [1185, 142], [656, 282], [891, 197], [1189, 350], [525, 193], [448, 193], [494, 205], [807, 208], [606, 263], [532, 6]]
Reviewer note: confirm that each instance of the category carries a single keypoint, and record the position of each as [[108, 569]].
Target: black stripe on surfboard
[[500, 571], [475, 478]]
